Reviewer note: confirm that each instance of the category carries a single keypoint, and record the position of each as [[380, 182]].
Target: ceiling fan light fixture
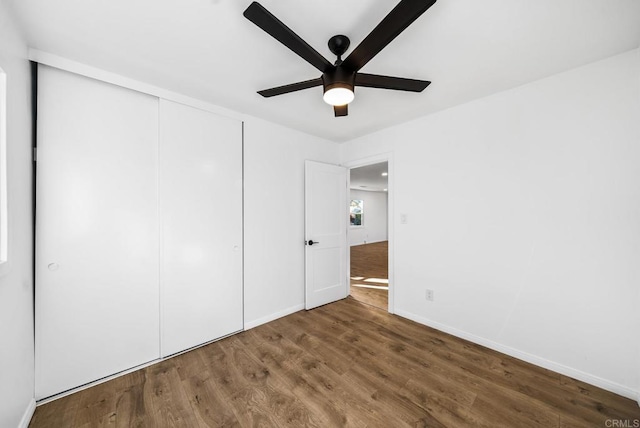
[[338, 95], [340, 78]]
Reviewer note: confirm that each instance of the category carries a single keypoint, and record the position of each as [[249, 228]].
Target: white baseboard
[[530, 358], [356, 244], [283, 313], [28, 414]]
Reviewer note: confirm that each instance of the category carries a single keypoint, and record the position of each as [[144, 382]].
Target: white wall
[[274, 217], [375, 218], [16, 279], [523, 213]]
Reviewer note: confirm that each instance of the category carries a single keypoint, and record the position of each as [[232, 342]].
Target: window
[[3, 167], [356, 211]]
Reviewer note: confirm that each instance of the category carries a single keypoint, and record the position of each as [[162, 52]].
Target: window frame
[[361, 213]]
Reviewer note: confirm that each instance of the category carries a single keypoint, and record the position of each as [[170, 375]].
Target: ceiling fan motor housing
[[338, 77]]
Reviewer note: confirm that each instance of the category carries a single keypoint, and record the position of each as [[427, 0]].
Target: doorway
[[369, 234]]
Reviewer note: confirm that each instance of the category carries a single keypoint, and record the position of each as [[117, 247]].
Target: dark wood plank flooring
[[370, 296], [346, 364], [370, 261]]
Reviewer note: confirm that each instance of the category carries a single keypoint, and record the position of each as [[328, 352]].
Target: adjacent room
[[321, 213], [368, 234]]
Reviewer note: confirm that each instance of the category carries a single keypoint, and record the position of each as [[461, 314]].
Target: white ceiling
[[206, 49], [369, 177]]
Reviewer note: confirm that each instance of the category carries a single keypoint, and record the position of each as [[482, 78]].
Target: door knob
[[53, 266], [310, 242]]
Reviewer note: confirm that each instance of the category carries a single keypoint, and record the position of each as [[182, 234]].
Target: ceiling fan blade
[[339, 111], [388, 29], [388, 82], [274, 27], [285, 89]]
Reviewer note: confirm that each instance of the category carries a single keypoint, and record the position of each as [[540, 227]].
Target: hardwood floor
[[343, 364], [370, 261], [371, 296]]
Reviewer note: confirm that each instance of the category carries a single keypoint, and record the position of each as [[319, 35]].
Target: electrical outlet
[[429, 295]]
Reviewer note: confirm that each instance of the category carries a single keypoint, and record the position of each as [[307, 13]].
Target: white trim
[[370, 160], [348, 215], [248, 325], [368, 242], [614, 387], [28, 414], [4, 209], [161, 332], [61, 63]]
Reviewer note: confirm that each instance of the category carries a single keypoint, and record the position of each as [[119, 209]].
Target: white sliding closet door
[[97, 295], [201, 226]]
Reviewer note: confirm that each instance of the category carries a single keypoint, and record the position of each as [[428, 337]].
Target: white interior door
[[97, 296], [326, 213], [201, 226]]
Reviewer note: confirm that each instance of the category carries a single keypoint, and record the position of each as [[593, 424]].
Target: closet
[[138, 229], [200, 226]]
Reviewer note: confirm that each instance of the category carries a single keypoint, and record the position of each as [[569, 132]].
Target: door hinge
[[35, 154]]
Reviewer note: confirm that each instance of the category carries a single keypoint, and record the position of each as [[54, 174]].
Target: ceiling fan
[[339, 79]]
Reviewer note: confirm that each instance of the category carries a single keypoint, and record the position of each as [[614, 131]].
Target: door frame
[[370, 160]]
